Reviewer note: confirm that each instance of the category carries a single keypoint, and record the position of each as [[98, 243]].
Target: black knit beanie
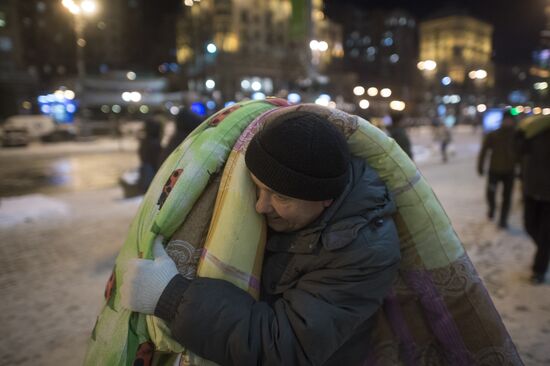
[[300, 155]]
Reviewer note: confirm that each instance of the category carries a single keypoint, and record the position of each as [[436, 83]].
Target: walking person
[[186, 122], [499, 144], [535, 162], [329, 261], [399, 134], [442, 134], [149, 151]]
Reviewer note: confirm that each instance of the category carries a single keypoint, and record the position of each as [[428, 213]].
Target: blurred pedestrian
[[534, 148], [399, 134], [149, 152], [444, 137], [499, 144], [186, 122]]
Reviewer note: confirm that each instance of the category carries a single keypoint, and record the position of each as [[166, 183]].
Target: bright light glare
[[428, 65], [88, 6], [520, 109], [69, 94], [256, 85], [537, 110], [126, 96], [481, 74], [541, 85], [245, 84], [386, 92], [59, 95], [358, 90], [323, 46], [546, 111], [481, 108], [210, 84], [314, 45], [131, 75], [258, 96], [294, 98], [372, 91], [323, 99], [135, 96], [211, 48], [174, 110], [397, 105], [364, 104]]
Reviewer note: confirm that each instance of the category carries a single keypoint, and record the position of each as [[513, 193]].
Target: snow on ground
[[53, 266], [33, 207]]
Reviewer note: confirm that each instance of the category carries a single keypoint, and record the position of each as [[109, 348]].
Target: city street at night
[[326, 240], [58, 247]]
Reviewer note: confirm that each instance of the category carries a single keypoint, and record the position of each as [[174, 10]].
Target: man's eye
[[281, 198]]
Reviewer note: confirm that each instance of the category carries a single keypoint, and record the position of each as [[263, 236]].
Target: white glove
[[144, 280]]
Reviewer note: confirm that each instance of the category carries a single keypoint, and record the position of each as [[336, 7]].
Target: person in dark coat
[[331, 257], [149, 151], [500, 145], [535, 160], [186, 122], [399, 134]]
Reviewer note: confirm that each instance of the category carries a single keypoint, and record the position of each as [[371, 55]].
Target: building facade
[[456, 63], [381, 48], [235, 49]]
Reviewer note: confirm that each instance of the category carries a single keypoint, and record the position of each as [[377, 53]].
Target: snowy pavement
[[57, 251]]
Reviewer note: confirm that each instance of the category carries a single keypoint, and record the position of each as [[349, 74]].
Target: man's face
[[283, 213]]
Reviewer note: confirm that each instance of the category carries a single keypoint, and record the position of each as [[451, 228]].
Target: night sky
[[517, 23]]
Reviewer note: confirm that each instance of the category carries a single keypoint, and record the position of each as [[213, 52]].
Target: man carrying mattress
[[331, 257]]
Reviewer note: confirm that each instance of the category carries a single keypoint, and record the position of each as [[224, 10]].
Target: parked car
[[15, 136], [36, 125]]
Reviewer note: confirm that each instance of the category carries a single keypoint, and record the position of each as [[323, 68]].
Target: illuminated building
[[540, 71], [459, 44], [381, 48], [248, 46]]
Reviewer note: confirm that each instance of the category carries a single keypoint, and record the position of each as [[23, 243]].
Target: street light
[[477, 74], [79, 10], [358, 90], [428, 65], [397, 105], [385, 93]]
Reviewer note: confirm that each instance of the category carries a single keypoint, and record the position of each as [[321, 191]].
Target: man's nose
[[263, 204]]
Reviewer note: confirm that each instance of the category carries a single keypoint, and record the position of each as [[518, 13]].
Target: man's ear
[[327, 203]]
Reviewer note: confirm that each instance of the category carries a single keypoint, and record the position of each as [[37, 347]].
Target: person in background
[[149, 151], [535, 162], [186, 122], [399, 134], [499, 144]]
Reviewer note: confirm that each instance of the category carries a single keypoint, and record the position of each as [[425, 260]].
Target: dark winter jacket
[[500, 144], [320, 289], [399, 134], [535, 159]]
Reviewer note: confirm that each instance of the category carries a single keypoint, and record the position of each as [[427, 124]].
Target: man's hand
[[144, 280]]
